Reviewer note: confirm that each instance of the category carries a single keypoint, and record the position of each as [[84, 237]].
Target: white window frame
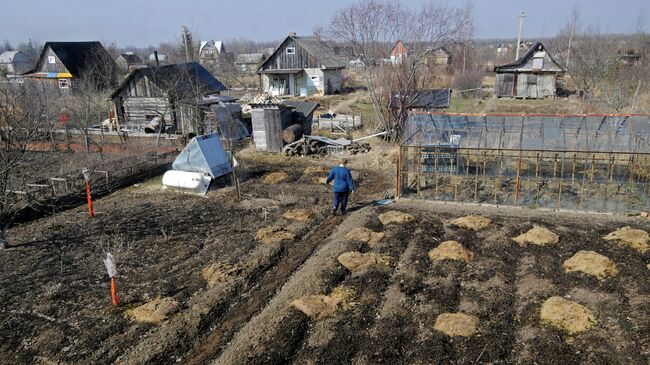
[[315, 80], [64, 84], [51, 59], [538, 63], [290, 50]]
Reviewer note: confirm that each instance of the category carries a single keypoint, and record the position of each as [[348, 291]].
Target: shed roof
[[181, 81], [77, 57], [131, 58], [426, 99], [538, 46]]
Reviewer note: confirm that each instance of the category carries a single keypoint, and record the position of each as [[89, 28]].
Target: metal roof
[[204, 154], [614, 133], [425, 99]]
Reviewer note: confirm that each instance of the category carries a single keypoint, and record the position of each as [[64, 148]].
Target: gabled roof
[[316, 47], [180, 81], [217, 44], [75, 56], [9, 56], [131, 58], [431, 48], [538, 46]]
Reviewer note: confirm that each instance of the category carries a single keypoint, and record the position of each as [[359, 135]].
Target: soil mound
[[395, 216], [365, 235], [538, 236], [457, 324], [321, 306], [299, 214], [591, 263], [316, 170], [271, 235], [566, 315], [627, 236], [276, 177], [450, 250], [156, 311], [357, 261], [474, 222], [219, 272], [319, 180]]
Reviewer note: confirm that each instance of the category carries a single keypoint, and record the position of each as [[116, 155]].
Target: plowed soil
[[55, 303]]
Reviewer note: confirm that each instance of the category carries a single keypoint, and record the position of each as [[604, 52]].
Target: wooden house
[[129, 61], [62, 64], [213, 55], [532, 76], [301, 66], [434, 55], [170, 94], [13, 63]]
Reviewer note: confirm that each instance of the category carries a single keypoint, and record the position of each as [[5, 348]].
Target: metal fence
[[583, 162]]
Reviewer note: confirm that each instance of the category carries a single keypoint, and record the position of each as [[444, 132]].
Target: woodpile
[[307, 146], [292, 133]]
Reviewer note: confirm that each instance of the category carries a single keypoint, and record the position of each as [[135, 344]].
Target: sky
[[146, 22]]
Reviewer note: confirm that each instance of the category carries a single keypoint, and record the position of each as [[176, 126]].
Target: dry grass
[[591, 263], [537, 236], [457, 324], [357, 261], [322, 306], [450, 250]]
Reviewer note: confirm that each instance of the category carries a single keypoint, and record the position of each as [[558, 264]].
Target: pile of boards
[[318, 145]]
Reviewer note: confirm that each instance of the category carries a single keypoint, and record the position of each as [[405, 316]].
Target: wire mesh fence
[[583, 162]]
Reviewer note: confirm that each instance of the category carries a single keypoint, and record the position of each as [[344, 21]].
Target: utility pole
[[187, 53], [522, 15]]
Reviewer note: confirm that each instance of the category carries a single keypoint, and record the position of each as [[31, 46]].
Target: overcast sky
[[148, 22]]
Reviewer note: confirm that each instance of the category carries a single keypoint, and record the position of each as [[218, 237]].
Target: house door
[[507, 85], [292, 84], [278, 86]]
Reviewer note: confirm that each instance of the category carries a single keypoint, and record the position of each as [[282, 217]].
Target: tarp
[[204, 154], [588, 133]]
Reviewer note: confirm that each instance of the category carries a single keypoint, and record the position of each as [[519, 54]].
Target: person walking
[[343, 185]]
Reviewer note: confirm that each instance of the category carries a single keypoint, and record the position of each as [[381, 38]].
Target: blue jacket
[[342, 179]]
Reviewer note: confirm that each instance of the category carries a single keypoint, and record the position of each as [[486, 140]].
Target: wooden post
[[399, 172], [593, 167], [436, 169], [517, 182]]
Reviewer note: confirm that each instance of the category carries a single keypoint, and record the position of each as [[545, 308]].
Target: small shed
[[271, 120], [533, 76], [14, 63]]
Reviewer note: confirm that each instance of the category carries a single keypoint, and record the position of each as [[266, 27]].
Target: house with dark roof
[[171, 96], [302, 66], [61, 64], [129, 61], [532, 76]]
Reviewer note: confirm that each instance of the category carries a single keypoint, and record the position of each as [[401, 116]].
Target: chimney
[[292, 34]]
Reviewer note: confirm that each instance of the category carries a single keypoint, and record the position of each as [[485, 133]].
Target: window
[[315, 80], [51, 59], [291, 50], [531, 80], [64, 83], [538, 63]]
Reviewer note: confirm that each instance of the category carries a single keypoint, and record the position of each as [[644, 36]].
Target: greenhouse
[[584, 162]]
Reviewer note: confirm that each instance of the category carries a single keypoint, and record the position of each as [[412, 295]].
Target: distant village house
[[302, 66], [62, 64], [13, 63], [532, 76], [213, 55], [129, 61], [434, 55]]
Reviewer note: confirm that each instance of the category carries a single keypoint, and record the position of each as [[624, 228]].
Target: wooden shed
[[171, 94], [533, 76], [269, 120]]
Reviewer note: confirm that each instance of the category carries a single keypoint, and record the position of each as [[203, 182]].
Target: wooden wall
[[283, 61]]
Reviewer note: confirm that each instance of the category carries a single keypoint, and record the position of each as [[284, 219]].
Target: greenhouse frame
[[593, 162]]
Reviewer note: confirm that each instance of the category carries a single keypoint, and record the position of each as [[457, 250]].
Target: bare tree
[[367, 28], [21, 121]]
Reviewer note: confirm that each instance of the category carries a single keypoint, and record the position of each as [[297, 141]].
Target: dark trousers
[[341, 198]]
